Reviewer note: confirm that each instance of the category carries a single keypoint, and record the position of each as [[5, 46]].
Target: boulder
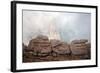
[[59, 48], [40, 45], [79, 47]]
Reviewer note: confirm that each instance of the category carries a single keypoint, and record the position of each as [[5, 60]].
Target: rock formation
[[43, 49], [80, 47], [40, 45], [59, 48]]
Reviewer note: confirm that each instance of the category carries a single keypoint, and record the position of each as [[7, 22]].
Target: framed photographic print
[[47, 36]]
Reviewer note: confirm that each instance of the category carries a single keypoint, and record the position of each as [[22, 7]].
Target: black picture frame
[[13, 35]]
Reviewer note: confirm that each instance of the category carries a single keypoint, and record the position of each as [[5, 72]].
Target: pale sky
[[69, 25]]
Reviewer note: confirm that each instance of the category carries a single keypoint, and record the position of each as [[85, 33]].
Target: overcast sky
[[69, 25]]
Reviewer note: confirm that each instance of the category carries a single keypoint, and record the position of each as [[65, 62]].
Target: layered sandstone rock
[[40, 45], [59, 48], [42, 49], [79, 47]]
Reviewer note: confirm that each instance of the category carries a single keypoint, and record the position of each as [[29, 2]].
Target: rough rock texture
[[42, 49], [40, 45], [59, 48], [79, 47]]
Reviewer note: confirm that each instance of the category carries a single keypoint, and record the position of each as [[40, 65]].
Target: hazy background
[[69, 25]]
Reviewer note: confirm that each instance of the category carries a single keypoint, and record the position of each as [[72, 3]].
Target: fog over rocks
[[69, 25]]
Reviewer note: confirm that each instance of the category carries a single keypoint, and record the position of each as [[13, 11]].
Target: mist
[[69, 25]]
